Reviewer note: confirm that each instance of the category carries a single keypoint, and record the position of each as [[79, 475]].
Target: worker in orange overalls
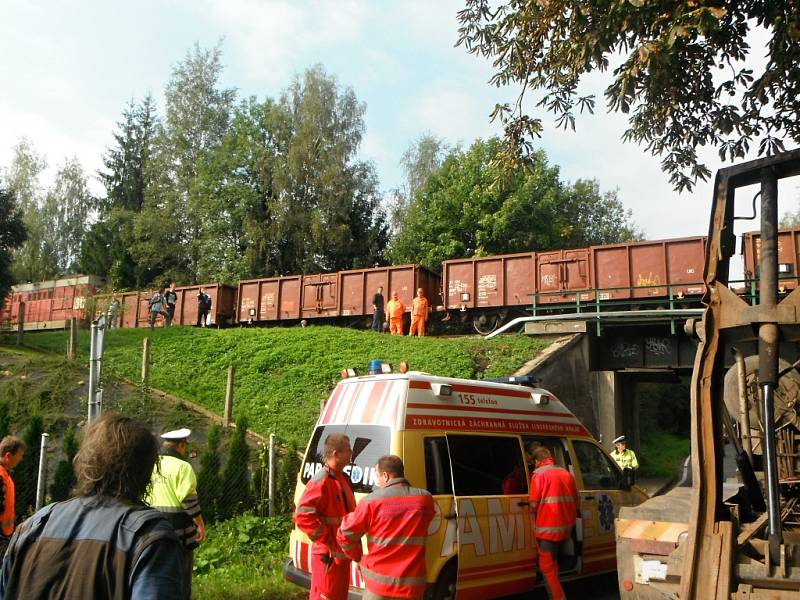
[[327, 498], [419, 314], [554, 503], [395, 519], [395, 309]]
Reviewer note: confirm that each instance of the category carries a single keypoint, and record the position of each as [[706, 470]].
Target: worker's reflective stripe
[[306, 509], [414, 541], [349, 534], [332, 520], [546, 468], [552, 529], [6, 522], [557, 499], [392, 580], [314, 535], [337, 554], [351, 546]]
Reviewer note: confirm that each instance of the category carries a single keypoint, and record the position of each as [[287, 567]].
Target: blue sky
[[70, 66]]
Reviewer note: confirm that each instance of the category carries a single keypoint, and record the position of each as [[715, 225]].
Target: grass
[[282, 374], [662, 454], [242, 559]]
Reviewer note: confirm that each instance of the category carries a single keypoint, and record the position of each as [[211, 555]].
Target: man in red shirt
[[327, 498], [395, 519], [555, 503], [395, 309]]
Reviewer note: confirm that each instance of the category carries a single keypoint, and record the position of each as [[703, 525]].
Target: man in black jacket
[[203, 307], [104, 543], [377, 307]]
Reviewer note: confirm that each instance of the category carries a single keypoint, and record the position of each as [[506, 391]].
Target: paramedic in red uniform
[[327, 498], [554, 503], [419, 314], [395, 519], [395, 309]]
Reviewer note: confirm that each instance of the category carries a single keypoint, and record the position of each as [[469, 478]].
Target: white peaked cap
[[177, 434], [616, 441]]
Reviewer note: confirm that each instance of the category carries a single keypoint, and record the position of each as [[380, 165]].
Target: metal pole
[[146, 360], [768, 335], [228, 414], [21, 323], [95, 367], [72, 351], [40, 483], [744, 412], [271, 480]]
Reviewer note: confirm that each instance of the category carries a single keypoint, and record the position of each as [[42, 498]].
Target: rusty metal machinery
[[738, 538]]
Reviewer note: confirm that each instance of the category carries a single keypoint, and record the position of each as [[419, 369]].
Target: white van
[[464, 441]]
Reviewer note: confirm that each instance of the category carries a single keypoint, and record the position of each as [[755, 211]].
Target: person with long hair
[[104, 542]]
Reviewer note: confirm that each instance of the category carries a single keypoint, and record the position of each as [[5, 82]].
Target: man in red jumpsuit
[[395, 519], [555, 503], [327, 498], [419, 314], [395, 309]]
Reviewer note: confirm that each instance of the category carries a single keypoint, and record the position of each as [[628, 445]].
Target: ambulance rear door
[[496, 556]]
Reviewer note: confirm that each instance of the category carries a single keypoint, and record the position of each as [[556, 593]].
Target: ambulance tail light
[[540, 399], [442, 389], [347, 373]]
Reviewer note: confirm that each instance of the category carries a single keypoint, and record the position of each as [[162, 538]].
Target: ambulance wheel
[[445, 588]]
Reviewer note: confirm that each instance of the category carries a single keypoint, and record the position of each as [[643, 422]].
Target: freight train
[[482, 291]]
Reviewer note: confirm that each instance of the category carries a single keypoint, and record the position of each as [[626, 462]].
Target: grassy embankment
[[281, 376]]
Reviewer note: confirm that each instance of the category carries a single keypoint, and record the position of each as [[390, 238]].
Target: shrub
[[236, 476], [209, 482], [64, 477]]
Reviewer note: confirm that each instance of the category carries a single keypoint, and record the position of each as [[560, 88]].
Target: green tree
[[287, 480], [171, 227], [209, 482], [36, 258], [67, 206], [26, 473], [236, 475], [465, 209], [423, 157], [12, 236], [5, 418], [324, 207], [667, 53], [107, 245], [64, 477]]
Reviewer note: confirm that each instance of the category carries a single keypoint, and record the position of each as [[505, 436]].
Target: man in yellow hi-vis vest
[[174, 492]]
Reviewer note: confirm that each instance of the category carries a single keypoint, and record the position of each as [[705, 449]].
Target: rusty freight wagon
[[342, 296], [487, 290], [135, 306], [49, 304], [788, 253]]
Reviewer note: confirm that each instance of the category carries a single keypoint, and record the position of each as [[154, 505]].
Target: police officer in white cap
[[174, 492], [626, 459]]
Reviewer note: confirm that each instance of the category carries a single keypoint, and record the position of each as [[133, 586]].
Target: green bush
[[209, 482], [27, 472], [236, 477], [64, 477]]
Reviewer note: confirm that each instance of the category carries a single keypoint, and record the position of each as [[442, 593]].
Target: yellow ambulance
[[465, 441]]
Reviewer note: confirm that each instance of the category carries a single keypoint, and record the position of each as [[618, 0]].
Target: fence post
[[40, 483], [228, 414], [21, 323], [72, 351], [271, 480], [146, 360]]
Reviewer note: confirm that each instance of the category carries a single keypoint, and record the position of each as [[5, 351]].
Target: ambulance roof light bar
[[526, 380]]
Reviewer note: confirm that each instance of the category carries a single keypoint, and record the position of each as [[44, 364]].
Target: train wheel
[[486, 324]]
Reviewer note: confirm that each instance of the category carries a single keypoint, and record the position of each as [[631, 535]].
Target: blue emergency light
[[378, 367]]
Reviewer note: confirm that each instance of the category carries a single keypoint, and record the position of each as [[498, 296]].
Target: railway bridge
[[601, 358]]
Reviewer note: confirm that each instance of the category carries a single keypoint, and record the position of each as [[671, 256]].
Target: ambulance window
[[554, 444], [599, 472], [369, 443], [437, 466], [486, 465]]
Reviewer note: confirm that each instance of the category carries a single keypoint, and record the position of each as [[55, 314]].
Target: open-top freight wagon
[[343, 296], [49, 304], [490, 290]]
